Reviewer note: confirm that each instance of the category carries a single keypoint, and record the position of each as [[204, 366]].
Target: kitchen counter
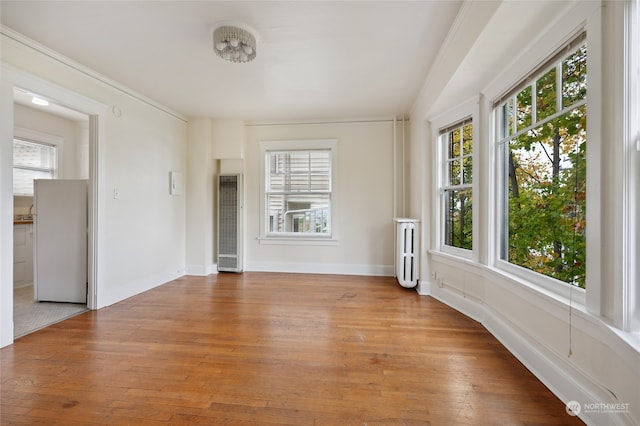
[[22, 221]]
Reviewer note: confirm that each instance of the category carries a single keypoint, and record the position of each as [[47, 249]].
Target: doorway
[[51, 142], [96, 113]]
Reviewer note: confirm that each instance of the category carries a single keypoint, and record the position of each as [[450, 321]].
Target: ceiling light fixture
[[234, 44], [39, 101]]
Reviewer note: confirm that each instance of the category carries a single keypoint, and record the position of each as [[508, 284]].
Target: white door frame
[[96, 111]]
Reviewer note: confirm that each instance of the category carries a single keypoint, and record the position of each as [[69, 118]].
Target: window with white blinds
[[32, 160], [298, 191]]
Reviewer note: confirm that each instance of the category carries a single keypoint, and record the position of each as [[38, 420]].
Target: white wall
[[140, 235], [537, 326], [146, 224], [365, 201], [200, 193]]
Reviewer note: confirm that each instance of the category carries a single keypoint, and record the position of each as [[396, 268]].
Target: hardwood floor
[[261, 348]]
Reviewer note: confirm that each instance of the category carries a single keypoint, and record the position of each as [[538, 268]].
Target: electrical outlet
[[116, 193]]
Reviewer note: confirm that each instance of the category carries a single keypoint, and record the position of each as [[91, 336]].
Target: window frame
[[294, 238], [629, 316], [546, 47], [446, 185], [36, 137], [466, 111]]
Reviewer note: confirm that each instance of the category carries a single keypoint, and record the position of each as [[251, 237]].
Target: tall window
[[298, 191], [457, 179], [32, 160], [543, 140]]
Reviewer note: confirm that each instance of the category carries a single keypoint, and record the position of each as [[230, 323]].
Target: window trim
[[580, 18], [466, 111], [630, 291], [445, 179], [34, 136], [503, 142], [302, 238]]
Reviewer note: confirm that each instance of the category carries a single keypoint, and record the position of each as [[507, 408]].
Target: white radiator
[[407, 251]]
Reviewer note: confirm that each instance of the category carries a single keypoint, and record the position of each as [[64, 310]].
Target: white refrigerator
[[60, 240]]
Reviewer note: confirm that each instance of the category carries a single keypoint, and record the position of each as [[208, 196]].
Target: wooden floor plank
[[272, 349]]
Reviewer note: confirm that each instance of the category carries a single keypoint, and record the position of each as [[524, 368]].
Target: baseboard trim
[[136, 287], [202, 270], [472, 308], [555, 371], [321, 268]]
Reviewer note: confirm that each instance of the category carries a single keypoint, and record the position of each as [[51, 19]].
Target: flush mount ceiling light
[[234, 44], [39, 101]]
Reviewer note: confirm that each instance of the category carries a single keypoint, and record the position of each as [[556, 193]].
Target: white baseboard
[[202, 270], [321, 268], [424, 288], [471, 307], [136, 287], [555, 371]]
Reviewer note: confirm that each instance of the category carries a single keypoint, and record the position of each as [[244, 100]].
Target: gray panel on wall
[[229, 223]]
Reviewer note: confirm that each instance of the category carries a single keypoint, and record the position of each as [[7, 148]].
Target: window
[[298, 181], [32, 160], [457, 179], [542, 139]]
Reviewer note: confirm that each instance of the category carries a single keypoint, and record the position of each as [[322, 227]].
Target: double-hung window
[[542, 141], [456, 147], [298, 188], [32, 160]]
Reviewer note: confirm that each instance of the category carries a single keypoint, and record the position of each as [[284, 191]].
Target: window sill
[[455, 252], [454, 259], [299, 241]]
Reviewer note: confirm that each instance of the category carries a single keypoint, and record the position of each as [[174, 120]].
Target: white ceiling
[[315, 60]]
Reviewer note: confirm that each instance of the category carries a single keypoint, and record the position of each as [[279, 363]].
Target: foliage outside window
[[543, 137], [32, 160], [457, 180], [298, 192]]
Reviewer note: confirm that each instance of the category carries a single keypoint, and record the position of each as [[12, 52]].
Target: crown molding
[[56, 56]]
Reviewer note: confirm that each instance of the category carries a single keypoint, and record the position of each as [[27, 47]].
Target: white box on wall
[[175, 183]]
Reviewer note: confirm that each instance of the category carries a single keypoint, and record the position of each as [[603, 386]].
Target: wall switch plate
[[116, 193]]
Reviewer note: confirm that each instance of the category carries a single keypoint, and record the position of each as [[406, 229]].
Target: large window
[[298, 189], [457, 178], [542, 137], [32, 160]]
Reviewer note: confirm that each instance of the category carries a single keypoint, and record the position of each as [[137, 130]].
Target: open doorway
[[51, 142], [97, 112]]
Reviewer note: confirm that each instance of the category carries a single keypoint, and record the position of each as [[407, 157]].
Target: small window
[[32, 160], [457, 181]]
